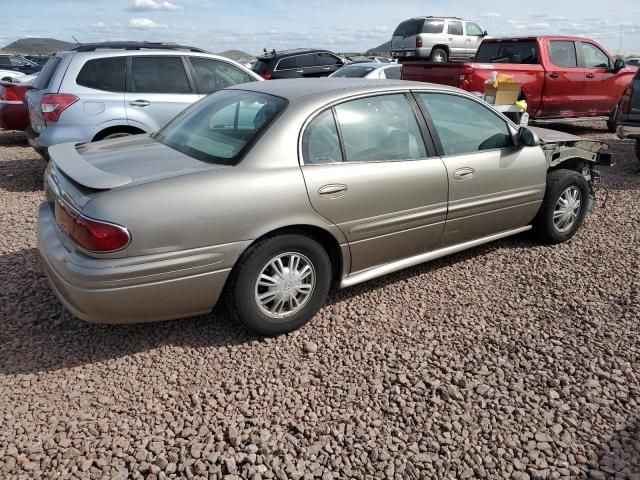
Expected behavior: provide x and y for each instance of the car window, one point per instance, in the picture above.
(393, 73)
(562, 53)
(261, 65)
(213, 75)
(46, 74)
(324, 59)
(221, 127)
(474, 30)
(353, 71)
(508, 52)
(435, 25)
(305, 60)
(464, 125)
(380, 128)
(104, 74)
(320, 142)
(454, 28)
(287, 63)
(159, 74)
(593, 57)
(412, 26)
(5, 62)
(20, 62)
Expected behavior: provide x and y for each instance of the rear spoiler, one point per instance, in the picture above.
(72, 164)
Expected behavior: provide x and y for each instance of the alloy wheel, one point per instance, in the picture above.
(567, 209)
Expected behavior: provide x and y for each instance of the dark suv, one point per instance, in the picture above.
(18, 63)
(297, 63)
(628, 114)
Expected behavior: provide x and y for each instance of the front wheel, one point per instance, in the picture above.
(564, 207)
(280, 283)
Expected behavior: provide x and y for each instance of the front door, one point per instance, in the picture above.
(159, 89)
(599, 82)
(473, 38)
(494, 186)
(375, 179)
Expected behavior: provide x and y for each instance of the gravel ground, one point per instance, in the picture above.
(513, 360)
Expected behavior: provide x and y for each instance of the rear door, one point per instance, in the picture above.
(563, 94)
(456, 39)
(599, 79)
(376, 179)
(159, 88)
(473, 38)
(494, 186)
(306, 66)
(327, 63)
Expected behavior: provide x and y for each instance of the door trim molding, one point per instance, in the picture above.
(387, 268)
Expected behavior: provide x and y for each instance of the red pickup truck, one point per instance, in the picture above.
(561, 77)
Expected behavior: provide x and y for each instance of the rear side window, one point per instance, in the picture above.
(409, 27)
(433, 26)
(287, 63)
(455, 28)
(46, 74)
(213, 75)
(305, 60)
(508, 52)
(159, 74)
(320, 143)
(104, 74)
(562, 53)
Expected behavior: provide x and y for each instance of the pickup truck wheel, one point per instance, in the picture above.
(564, 207)
(280, 283)
(439, 55)
(611, 123)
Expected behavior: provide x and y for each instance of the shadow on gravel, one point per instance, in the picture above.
(619, 456)
(13, 139)
(22, 175)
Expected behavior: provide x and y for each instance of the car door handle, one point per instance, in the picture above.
(299, 71)
(464, 173)
(591, 75)
(327, 68)
(554, 75)
(140, 103)
(333, 190)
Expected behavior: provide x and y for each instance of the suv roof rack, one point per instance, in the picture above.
(92, 47)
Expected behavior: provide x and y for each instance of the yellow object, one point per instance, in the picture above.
(522, 104)
(498, 79)
(507, 93)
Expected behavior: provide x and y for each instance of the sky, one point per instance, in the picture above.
(338, 25)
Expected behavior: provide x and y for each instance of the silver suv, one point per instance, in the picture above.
(438, 39)
(101, 91)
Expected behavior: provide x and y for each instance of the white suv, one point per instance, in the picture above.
(108, 90)
(438, 39)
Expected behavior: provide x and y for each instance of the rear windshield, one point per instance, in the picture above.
(222, 127)
(409, 27)
(45, 75)
(353, 71)
(508, 52)
(261, 65)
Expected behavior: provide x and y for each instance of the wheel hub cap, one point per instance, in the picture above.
(285, 284)
(567, 209)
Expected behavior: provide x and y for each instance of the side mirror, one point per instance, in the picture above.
(527, 137)
(485, 33)
(619, 64)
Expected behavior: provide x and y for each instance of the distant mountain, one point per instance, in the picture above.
(34, 46)
(384, 49)
(237, 55)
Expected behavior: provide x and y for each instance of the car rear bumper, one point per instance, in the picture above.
(628, 130)
(135, 289)
(53, 135)
(411, 52)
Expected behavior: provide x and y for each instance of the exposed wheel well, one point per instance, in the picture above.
(443, 47)
(117, 129)
(575, 164)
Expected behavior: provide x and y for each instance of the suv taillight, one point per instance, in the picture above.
(266, 76)
(53, 104)
(418, 41)
(92, 235)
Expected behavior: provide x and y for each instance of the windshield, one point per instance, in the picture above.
(353, 71)
(222, 127)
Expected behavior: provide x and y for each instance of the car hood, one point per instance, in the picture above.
(124, 161)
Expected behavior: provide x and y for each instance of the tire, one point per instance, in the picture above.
(439, 55)
(611, 123)
(261, 259)
(565, 185)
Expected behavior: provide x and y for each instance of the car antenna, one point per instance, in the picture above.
(76, 40)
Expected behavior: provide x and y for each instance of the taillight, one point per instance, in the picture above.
(266, 76)
(418, 41)
(11, 94)
(92, 235)
(53, 104)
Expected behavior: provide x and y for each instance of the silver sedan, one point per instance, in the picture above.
(272, 192)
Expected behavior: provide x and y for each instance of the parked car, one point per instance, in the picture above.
(628, 114)
(108, 90)
(438, 39)
(297, 63)
(370, 60)
(14, 114)
(18, 63)
(369, 70)
(562, 77)
(8, 75)
(273, 191)
(39, 59)
(634, 62)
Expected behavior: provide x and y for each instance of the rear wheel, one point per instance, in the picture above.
(564, 207)
(280, 283)
(439, 54)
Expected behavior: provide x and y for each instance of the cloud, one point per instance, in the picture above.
(381, 28)
(145, 24)
(491, 15)
(151, 5)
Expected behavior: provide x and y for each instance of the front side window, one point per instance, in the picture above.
(213, 75)
(223, 126)
(473, 30)
(464, 125)
(320, 142)
(594, 57)
(454, 28)
(159, 74)
(381, 128)
(563, 53)
(326, 59)
(106, 74)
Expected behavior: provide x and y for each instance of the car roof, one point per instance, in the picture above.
(338, 87)
(290, 51)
